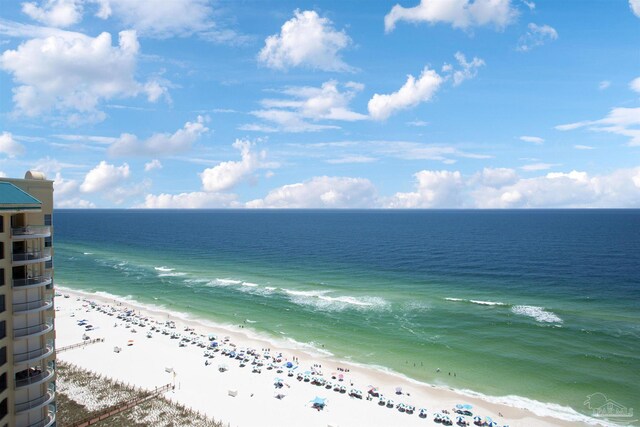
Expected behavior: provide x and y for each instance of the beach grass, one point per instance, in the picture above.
(81, 394)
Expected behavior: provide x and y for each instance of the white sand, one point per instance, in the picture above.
(205, 389)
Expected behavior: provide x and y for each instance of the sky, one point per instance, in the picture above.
(324, 104)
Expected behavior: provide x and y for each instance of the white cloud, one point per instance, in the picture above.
(306, 40)
(418, 123)
(228, 174)
(409, 95)
(468, 69)
(56, 13)
(531, 5)
(72, 73)
(9, 146)
(194, 200)
(635, 7)
(495, 177)
(583, 147)
(534, 139)
(75, 203)
(321, 192)
(458, 13)
(620, 121)
(306, 106)
(160, 19)
(160, 144)
(538, 166)
(635, 84)
(104, 176)
(536, 36)
(604, 84)
(434, 189)
(153, 164)
(351, 159)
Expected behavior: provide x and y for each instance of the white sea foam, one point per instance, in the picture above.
(537, 313)
(486, 302)
(250, 321)
(319, 299)
(227, 282)
(164, 268)
(172, 274)
(305, 293)
(87, 253)
(454, 299)
(249, 284)
(270, 288)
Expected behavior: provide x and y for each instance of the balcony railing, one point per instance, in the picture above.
(32, 306)
(35, 403)
(36, 255)
(43, 376)
(45, 422)
(33, 330)
(30, 356)
(33, 281)
(31, 231)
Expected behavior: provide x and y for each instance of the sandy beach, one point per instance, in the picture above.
(239, 396)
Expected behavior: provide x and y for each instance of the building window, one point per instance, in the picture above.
(1, 224)
(3, 382)
(3, 329)
(3, 408)
(1, 276)
(48, 242)
(50, 285)
(48, 264)
(3, 356)
(47, 219)
(2, 306)
(1, 250)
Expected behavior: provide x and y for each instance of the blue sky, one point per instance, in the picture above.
(325, 104)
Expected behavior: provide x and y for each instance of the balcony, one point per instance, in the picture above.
(32, 307)
(35, 403)
(33, 331)
(31, 257)
(33, 356)
(50, 420)
(31, 232)
(39, 378)
(33, 282)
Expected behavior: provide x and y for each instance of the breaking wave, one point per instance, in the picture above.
(537, 313)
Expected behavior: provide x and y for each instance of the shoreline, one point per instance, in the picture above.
(418, 393)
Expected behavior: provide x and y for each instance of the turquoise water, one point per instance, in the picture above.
(542, 305)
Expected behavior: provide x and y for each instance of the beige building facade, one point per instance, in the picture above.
(27, 334)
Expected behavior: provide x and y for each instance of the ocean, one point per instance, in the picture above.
(540, 308)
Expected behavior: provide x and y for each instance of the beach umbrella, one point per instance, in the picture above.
(398, 390)
(467, 406)
(318, 401)
(289, 365)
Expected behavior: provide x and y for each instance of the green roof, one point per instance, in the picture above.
(12, 197)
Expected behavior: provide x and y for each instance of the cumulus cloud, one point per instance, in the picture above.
(321, 192)
(434, 189)
(458, 13)
(104, 176)
(503, 188)
(620, 121)
(306, 106)
(72, 73)
(194, 200)
(56, 13)
(306, 40)
(160, 144)
(153, 164)
(635, 7)
(635, 84)
(536, 36)
(9, 146)
(227, 175)
(467, 70)
(159, 19)
(412, 93)
(533, 139)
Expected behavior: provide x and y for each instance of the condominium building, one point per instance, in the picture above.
(27, 348)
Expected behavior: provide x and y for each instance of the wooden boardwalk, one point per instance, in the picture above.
(121, 407)
(80, 344)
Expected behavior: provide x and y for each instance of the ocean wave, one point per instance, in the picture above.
(87, 253)
(250, 321)
(226, 282)
(321, 301)
(249, 284)
(537, 313)
(473, 301)
(172, 274)
(164, 269)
